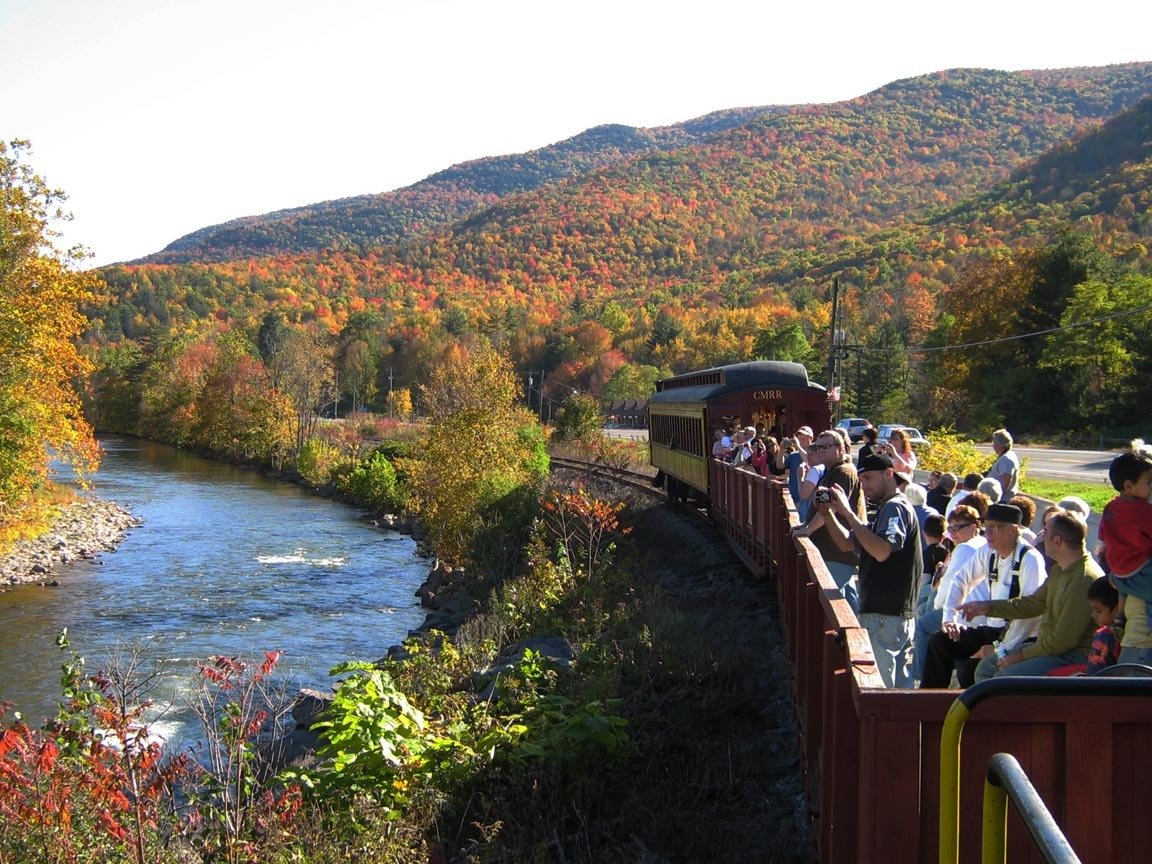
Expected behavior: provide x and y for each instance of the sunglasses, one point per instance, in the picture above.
(825, 446)
(960, 526)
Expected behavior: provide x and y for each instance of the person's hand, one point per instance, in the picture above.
(1009, 660)
(952, 630)
(839, 501)
(974, 609)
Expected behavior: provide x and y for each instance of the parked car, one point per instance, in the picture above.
(914, 436)
(855, 427)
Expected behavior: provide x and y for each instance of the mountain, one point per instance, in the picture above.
(391, 217)
(761, 203)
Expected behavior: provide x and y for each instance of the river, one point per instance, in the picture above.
(226, 562)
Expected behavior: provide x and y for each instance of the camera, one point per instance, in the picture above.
(822, 496)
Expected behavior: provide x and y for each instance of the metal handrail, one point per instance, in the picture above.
(1007, 780)
(957, 716)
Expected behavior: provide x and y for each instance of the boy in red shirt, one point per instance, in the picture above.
(1126, 524)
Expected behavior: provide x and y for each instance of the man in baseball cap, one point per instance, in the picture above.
(891, 564)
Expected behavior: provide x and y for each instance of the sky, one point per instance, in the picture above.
(159, 117)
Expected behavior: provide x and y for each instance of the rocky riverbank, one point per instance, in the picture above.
(81, 532)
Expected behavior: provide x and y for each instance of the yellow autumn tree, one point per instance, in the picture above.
(477, 467)
(400, 401)
(41, 294)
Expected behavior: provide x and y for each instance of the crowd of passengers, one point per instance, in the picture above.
(955, 579)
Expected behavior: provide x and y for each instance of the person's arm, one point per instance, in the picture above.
(1071, 616)
(877, 546)
(1022, 607)
(902, 464)
(837, 530)
(957, 584)
(807, 487)
(812, 526)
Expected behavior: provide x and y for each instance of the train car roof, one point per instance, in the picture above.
(710, 383)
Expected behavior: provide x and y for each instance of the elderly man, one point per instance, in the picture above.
(1066, 627)
(1006, 468)
(829, 451)
(891, 563)
(1004, 567)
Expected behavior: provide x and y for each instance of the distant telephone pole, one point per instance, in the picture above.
(832, 332)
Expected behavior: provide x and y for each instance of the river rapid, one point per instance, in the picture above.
(226, 562)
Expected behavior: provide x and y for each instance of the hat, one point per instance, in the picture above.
(1009, 514)
(805, 430)
(875, 462)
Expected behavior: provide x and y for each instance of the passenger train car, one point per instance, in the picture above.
(686, 409)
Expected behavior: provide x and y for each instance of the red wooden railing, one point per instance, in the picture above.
(871, 756)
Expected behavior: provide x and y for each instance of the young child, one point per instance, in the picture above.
(1105, 601)
(1126, 524)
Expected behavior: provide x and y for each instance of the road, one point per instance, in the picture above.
(1082, 466)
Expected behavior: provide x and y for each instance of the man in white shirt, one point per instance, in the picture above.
(1003, 567)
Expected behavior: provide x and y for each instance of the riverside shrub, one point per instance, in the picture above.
(318, 460)
(373, 484)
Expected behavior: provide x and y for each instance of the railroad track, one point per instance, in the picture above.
(635, 479)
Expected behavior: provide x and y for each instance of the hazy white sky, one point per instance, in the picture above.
(159, 117)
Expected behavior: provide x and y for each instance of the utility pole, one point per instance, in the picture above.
(832, 332)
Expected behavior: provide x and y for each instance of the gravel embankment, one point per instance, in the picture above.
(82, 531)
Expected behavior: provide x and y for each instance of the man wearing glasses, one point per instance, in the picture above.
(1004, 567)
(840, 472)
(891, 564)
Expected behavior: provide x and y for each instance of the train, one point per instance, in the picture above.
(888, 776)
(684, 411)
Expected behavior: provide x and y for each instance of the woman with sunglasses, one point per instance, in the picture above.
(967, 565)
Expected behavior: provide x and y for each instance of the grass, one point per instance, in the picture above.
(1096, 494)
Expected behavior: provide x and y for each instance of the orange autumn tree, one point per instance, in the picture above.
(40, 297)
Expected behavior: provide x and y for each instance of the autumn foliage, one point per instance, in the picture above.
(41, 295)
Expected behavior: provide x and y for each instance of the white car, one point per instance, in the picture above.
(914, 436)
(855, 427)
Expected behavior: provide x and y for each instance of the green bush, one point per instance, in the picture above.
(374, 485)
(318, 461)
(579, 418)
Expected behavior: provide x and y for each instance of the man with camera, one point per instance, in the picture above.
(891, 563)
(839, 471)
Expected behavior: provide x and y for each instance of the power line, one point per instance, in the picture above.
(920, 349)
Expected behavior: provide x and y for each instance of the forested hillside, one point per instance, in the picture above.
(723, 249)
(368, 221)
